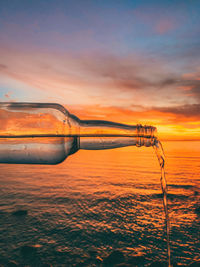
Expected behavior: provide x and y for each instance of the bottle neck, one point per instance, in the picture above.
(99, 131)
(146, 135)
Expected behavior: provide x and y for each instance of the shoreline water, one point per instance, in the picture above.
(104, 201)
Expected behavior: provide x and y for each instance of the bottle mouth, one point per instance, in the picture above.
(146, 135)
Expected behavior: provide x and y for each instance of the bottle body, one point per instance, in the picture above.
(40, 133)
(35, 133)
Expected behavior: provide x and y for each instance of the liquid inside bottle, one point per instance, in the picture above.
(161, 159)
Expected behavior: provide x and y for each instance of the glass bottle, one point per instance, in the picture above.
(43, 133)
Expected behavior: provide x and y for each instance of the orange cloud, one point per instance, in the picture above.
(117, 88)
(104, 79)
(164, 26)
(160, 23)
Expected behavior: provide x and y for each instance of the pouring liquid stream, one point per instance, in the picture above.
(161, 159)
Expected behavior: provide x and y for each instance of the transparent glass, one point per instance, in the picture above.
(43, 133)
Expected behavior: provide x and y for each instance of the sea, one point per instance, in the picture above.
(102, 208)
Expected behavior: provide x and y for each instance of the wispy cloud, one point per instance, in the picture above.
(102, 78)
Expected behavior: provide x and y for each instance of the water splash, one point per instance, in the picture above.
(161, 158)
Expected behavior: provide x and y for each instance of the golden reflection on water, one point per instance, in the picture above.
(125, 181)
(110, 168)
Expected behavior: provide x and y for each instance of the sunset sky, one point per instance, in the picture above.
(126, 61)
